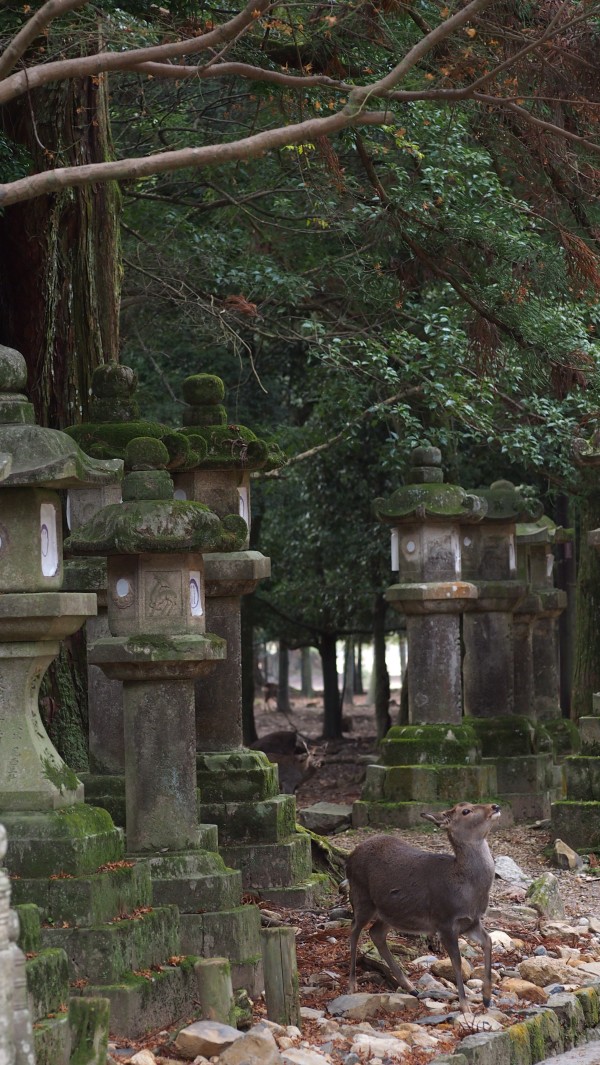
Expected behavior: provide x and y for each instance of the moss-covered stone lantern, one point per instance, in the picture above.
(158, 644)
(436, 756)
(35, 614)
(239, 787)
(427, 515)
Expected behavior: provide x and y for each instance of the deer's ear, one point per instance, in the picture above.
(437, 819)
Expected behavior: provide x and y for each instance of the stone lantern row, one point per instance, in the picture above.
(477, 597)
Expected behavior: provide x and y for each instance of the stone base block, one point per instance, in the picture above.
(577, 823)
(589, 730)
(236, 776)
(89, 900)
(157, 999)
(52, 1041)
(108, 792)
(104, 953)
(511, 735)
(391, 814)
(564, 735)
(413, 745)
(583, 778)
(309, 894)
(240, 822)
(267, 865)
(234, 934)
(429, 784)
(596, 703)
(526, 806)
(75, 840)
(530, 774)
(194, 881)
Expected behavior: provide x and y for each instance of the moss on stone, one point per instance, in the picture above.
(520, 1047)
(203, 388)
(590, 1003)
(88, 1021)
(202, 416)
(61, 776)
(30, 938)
(146, 453)
(47, 977)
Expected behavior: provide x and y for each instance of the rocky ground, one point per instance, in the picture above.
(535, 954)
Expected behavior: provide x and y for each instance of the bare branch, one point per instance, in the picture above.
(101, 62)
(36, 25)
(558, 131)
(258, 144)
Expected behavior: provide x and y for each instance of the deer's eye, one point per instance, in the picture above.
(465, 812)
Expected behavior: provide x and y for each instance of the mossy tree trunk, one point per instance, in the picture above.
(586, 666)
(59, 305)
(359, 688)
(59, 255)
(380, 670)
(332, 706)
(306, 672)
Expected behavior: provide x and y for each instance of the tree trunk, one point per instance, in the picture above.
(348, 691)
(59, 257)
(332, 716)
(586, 668)
(306, 672)
(283, 688)
(382, 677)
(248, 667)
(358, 677)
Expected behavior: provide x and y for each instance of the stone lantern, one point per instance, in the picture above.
(35, 614)
(158, 647)
(427, 515)
(239, 787)
(436, 756)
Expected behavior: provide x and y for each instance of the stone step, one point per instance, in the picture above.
(271, 865)
(589, 729)
(104, 953)
(306, 895)
(197, 880)
(529, 773)
(527, 806)
(75, 840)
(268, 821)
(158, 998)
(88, 900)
(234, 934)
(583, 778)
(47, 983)
(52, 1040)
(236, 776)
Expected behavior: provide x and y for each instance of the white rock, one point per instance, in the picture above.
(507, 869)
(310, 1014)
(501, 939)
(285, 1043)
(272, 1026)
(206, 1038)
(591, 967)
(293, 1031)
(256, 1047)
(143, 1057)
(379, 1046)
(300, 1056)
(482, 1022)
(594, 923)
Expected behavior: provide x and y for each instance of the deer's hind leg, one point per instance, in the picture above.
(481, 936)
(361, 915)
(378, 933)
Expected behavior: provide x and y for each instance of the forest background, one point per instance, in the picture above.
(377, 220)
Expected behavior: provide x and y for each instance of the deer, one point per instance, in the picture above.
(399, 886)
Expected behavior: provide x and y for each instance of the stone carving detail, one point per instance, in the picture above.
(163, 595)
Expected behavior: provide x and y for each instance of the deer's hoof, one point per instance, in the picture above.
(487, 1000)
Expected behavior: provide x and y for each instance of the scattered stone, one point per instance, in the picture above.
(340, 913)
(351, 1059)
(481, 1022)
(543, 971)
(206, 1038)
(302, 1056)
(309, 1014)
(270, 919)
(594, 923)
(590, 967)
(539, 952)
(378, 1046)
(429, 982)
(438, 1018)
(525, 990)
(442, 967)
(143, 1057)
(293, 1031)
(256, 1047)
(363, 1005)
(565, 857)
(326, 818)
(285, 1042)
(508, 870)
(501, 939)
(271, 1026)
(544, 896)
